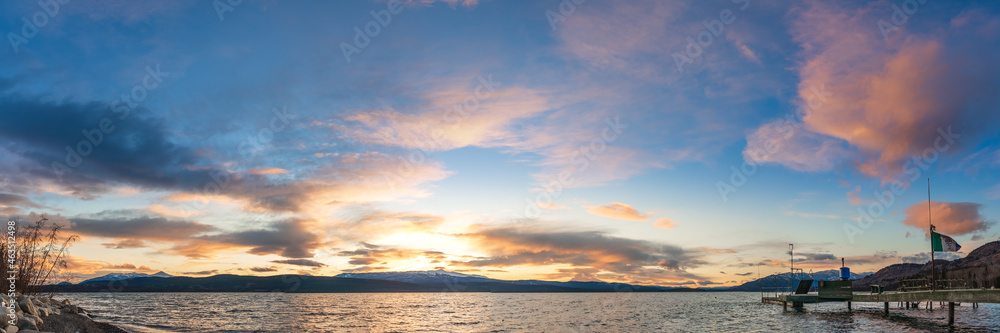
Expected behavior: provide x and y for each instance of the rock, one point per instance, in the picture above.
(38, 320)
(11, 329)
(26, 324)
(28, 307)
(66, 302)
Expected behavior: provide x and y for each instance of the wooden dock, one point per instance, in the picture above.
(909, 297)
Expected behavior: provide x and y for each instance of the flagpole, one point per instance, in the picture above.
(930, 226)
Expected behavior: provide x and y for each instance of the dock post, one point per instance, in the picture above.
(886, 308)
(951, 313)
(784, 306)
(848, 306)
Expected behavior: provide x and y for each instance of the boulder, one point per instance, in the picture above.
(26, 324)
(11, 329)
(28, 307)
(38, 320)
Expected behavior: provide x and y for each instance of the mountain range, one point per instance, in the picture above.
(978, 269)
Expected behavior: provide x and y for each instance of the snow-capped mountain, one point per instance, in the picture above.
(126, 276)
(418, 276)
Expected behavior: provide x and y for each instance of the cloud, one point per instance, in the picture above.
(132, 225)
(816, 256)
(289, 238)
(549, 205)
(783, 143)
(744, 274)
(664, 223)
(370, 256)
(890, 100)
(172, 211)
(139, 151)
(125, 244)
(950, 218)
(446, 123)
(633, 260)
(362, 226)
(263, 269)
(618, 211)
(268, 171)
(300, 262)
(349, 179)
(80, 265)
(854, 197)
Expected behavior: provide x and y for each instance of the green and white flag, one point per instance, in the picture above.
(942, 243)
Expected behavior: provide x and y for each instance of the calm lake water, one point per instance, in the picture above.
(516, 312)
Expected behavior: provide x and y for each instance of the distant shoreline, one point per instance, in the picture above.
(327, 284)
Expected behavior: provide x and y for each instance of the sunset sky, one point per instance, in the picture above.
(678, 143)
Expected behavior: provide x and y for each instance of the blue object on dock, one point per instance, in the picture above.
(845, 273)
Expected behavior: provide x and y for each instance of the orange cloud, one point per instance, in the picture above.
(626, 259)
(619, 211)
(172, 211)
(889, 100)
(950, 218)
(549, 205)
(664, 223)
(268, 171)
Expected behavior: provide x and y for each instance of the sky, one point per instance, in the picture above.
(676, 143)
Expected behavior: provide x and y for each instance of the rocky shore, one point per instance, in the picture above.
(29, 314)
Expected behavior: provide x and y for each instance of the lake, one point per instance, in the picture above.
(503, 312)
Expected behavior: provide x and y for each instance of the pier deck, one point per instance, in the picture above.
(909, 297)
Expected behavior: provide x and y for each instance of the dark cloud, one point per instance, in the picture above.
(816, 256)
(300, 262)
(138, 151)
(263, 269)
(129, 225)
(363, 261)
(8, 199)
(211, 272)
(744, 274)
